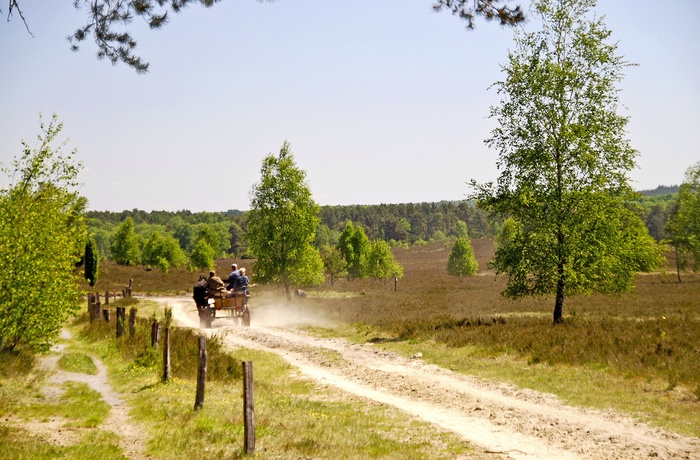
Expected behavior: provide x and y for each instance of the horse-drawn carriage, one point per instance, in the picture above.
(234, 306)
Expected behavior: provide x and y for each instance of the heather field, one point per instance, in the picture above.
(652, 333)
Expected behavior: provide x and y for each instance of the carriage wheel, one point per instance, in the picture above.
(245, 319)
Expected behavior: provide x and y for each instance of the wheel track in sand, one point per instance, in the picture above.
(500, 418)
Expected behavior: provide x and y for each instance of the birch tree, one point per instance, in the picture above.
(42, 237)
(563, 162)
(282, 224)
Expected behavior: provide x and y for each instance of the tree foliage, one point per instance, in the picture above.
(202, 256)
(683, 226)
(381, 263)
(162, 250)
(282, 224)
(491, 10)
(42, 236)
(563, 162)
(91, 261)
(124, 247)
(333, 262)
(461, 261)
(216, 235)
(353, 244)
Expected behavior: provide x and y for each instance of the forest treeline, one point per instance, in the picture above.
(398, 224)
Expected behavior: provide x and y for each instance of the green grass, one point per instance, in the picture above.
(22, 444)
(637, 353)
(295, 418)
(589, 373)
(590, 385)
(77, 362)
(79, 404)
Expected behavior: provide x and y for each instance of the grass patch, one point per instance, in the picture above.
(645, 343)
(80, 404)
(19, 443)
(295, 418)
(77, 362)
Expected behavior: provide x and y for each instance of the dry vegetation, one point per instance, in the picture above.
(651, 333)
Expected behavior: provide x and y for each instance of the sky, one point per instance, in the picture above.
(382, 101)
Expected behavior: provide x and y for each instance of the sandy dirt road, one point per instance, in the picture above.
(497, 418)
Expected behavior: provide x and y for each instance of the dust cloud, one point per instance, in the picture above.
(285, 314)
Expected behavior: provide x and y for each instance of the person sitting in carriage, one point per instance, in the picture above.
(215, 286)
(242, 283)
(232, 277)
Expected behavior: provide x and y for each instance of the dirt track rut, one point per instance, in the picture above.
(498, 418)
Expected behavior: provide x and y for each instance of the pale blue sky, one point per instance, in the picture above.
(383, 101)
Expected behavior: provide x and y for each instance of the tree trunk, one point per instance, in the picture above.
(288, 292)
(559, 302)
(678, 265)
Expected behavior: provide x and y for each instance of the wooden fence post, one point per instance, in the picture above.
(132, 322)
(248, 409)
(106, 297)
(97, 310)
(91, 306)
(105, 315)
(166, 355)
(201, 373)
(155, 334)
(121, 316)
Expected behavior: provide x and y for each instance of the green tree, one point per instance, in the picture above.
(162, 250)
(656, 221)
(353, 244)
(124, 247)
(683, 226)
(184, 232)
(381, 263)
(217, 235)
(102, 238)
(333, 262)
(461, 261)
(402, 229)
(282, 224)
(91, 261)
(325, 236)
(459, 229)
(237, 239)
(563, 162)
(41, 238)
(202, 256)
(108, 21)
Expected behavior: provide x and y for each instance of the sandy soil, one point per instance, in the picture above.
(132, 436)
(497, 418)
